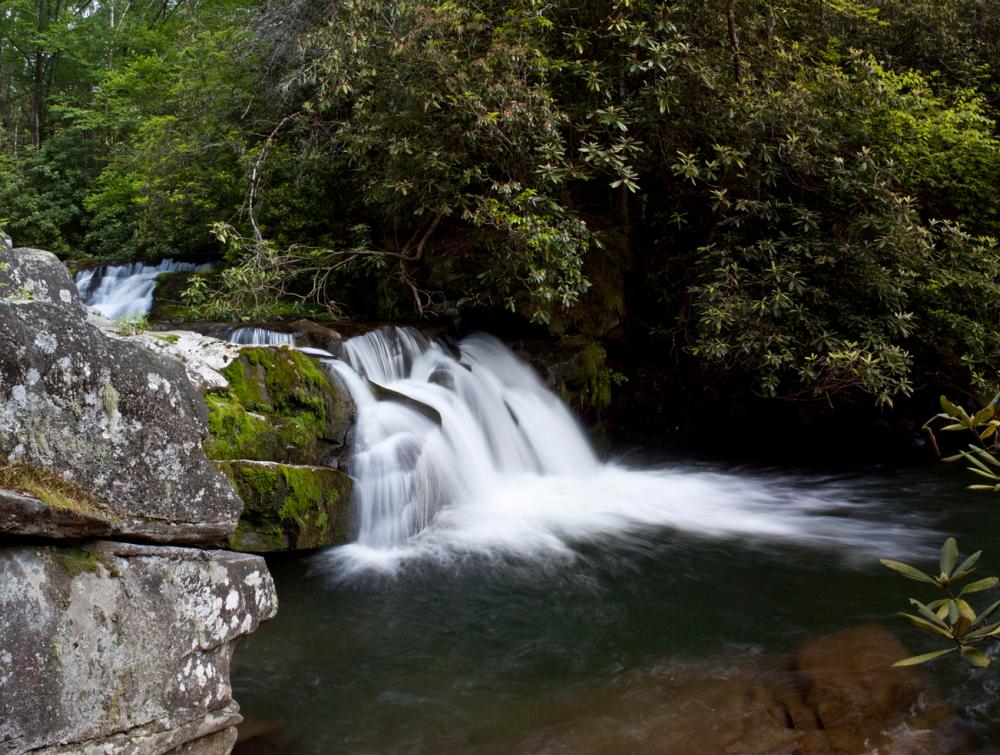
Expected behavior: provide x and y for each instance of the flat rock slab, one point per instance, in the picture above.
(112, 418)
(115, 647)
(28, 516)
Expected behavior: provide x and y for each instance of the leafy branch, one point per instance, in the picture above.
(951, 618)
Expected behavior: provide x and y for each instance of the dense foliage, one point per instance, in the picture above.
(795, 199)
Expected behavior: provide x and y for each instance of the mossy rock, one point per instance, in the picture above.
(280, 405)
(289, 507)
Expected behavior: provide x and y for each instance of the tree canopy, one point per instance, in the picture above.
(797, 198)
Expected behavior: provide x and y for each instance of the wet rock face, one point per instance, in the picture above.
(115, 647)
(289, 507)
(116, 420)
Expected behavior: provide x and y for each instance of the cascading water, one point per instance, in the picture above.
(126, 290)
(447, 430)
(260, 337)
(468, 452)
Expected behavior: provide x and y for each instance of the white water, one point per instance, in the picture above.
(261, 337)
(126, 290)
(470, 454)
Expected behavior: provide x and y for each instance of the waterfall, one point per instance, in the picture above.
(437, 428)
(465, 451)
(126, 290)
(260, 337)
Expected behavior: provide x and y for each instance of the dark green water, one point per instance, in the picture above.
(488, 653)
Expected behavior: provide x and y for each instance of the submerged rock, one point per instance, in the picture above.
(108, 416)
(289, 507)
(114, 647)
(838, 696)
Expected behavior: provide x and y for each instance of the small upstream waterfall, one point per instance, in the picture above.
(126, 290)
(260, 337)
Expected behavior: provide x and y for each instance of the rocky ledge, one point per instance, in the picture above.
(109, 646)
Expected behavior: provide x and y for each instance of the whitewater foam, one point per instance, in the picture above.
(466, 453)
(118, 291)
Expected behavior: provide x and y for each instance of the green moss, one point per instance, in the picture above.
(307, 499)
(77, 561)
(248, 538)
(235, 433)
(289, 507)
(303, 413)
(263, 480)
(167, 337)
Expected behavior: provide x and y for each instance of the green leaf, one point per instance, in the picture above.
(966, 567)
(935, 628)
(986, 614)
(907, 571)
(949, 555)
(966, 618)
(953, 614)
(987, 583)
(976, 657)
(955, 411)
(987, 631)
(927, 613)
(916, 660)
(984, 415)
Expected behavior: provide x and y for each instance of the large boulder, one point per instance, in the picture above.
(279, 405)
(108, 416)
(115, 647)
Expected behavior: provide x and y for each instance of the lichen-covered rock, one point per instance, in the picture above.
(280, 405)
(115, 647)
(204, 357)
(111, 417)
(289, 507)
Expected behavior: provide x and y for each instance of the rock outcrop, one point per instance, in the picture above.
(279, 405)
(108, 416)
(279, 427)
(106, 646)
(114, 647)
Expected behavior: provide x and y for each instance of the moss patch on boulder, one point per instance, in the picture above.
(289, 507)
(280, 405)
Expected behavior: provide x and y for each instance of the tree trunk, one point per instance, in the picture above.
(734, 43)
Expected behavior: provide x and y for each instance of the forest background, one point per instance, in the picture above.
(726, 210)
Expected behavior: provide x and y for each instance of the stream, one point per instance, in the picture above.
(495, 652)
(509, 591)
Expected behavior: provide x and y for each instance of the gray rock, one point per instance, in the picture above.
(26, 515)
(114, 419)
(122, 648)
